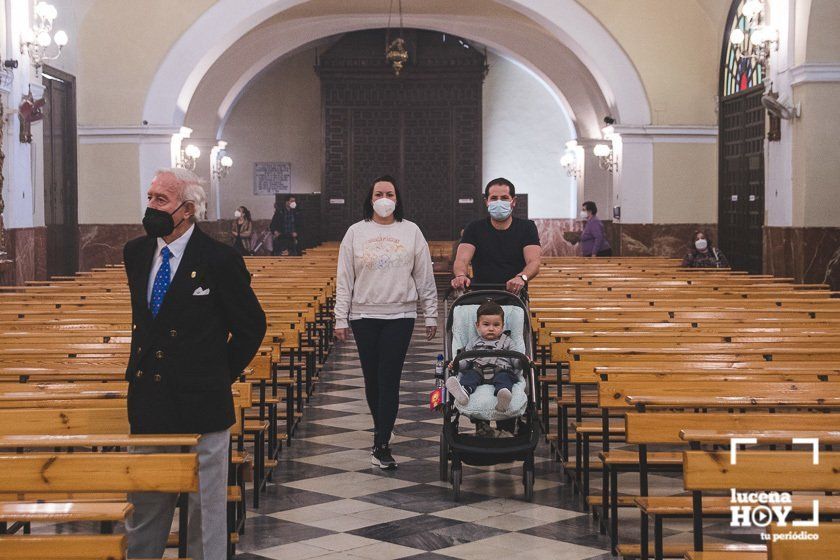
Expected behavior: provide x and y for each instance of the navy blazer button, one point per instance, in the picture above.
(139, 374)
(139, 349)
(159, 354)
(157, 378)
(173, 333)
(134, 327)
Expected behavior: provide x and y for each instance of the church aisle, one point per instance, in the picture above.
(328, 502)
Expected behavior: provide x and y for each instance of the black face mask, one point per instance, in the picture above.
(158, 223)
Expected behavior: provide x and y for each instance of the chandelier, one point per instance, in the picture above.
(604, 151)
(572, 159)
(36, 40)
(395, 52)
(762, 37)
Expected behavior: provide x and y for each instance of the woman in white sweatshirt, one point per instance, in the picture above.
(384, 268)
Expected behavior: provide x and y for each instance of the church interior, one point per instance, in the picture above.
(695, 136)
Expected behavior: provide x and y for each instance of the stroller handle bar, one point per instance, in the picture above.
(474, 287)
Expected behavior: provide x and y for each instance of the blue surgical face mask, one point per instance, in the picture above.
(499, 210)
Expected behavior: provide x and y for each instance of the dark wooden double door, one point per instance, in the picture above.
(423, 128)
(741, 182)
(435, 168)
(61, 210)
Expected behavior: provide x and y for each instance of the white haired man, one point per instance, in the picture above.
(196, 326)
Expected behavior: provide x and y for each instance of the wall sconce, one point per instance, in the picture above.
(572, 159)
(220, 161)
(605, 151)
(762, 37)
(36, 40)
(606, 157)
(188, 157)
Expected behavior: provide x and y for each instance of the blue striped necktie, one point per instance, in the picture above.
(162, 280)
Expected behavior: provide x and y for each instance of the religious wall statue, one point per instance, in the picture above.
(30, 110)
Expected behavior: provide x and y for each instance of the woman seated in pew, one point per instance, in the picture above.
(242, 230)
(704, 255)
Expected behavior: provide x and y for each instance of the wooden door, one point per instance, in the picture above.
(60, 177)
(741, 182)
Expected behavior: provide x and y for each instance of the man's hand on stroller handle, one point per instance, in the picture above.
(460, 282)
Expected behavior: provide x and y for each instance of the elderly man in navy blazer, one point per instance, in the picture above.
(196, 325)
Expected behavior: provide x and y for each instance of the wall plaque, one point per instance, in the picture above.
(272, 177)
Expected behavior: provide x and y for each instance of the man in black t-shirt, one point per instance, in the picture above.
(503, 250)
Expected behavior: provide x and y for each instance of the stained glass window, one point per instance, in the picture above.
(742, 68)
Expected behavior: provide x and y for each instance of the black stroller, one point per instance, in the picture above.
(458, 449)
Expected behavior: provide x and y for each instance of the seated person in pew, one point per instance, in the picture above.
(196, 325)
(492, 370)
(704, 255)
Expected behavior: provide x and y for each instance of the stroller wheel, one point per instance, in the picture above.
(444, 459)
(456, 484)
(529, 485)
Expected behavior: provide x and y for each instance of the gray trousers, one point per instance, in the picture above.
(149, 525)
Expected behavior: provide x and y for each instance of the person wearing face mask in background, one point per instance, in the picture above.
(384, 270)
(703, 255)
(503, 250)
(593, 239)
(285, 225)
(196, 324)
(242, 231)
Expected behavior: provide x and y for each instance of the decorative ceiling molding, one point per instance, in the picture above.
(679, 134)
(815, 73)
(151, 134)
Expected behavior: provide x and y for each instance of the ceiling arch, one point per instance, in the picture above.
(553, 23)
(561, 72)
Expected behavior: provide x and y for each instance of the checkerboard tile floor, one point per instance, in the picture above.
(327, 502)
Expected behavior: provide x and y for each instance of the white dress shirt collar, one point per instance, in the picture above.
(178, 246)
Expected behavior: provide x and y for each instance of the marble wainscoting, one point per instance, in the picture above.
(102, 244)
(808, 254)
(551, 237)
(27, 247)
(554, 243)
(660, 240)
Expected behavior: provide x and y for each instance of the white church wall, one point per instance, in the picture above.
(524, 134)
(277, 119)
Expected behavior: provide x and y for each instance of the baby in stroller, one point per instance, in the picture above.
(492, 370)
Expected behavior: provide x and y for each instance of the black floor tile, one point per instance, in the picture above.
(422, 498)
(264, 532)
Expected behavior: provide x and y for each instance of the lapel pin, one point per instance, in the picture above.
(192, 274)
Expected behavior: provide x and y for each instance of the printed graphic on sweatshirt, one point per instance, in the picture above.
(385, 252)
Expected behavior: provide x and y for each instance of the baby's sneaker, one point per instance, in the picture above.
(455, 389)
(503, 400)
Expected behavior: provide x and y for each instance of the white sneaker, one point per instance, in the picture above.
(503, 400)
(455, 389)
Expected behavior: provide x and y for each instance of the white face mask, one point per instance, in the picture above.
(237, 214)
(293, 205)
(384, 207)
(701, 244)
(583, 215)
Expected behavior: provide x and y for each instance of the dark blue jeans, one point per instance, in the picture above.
(503, 379)
(382, 345)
